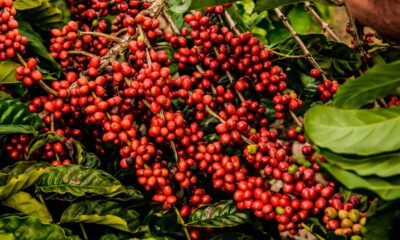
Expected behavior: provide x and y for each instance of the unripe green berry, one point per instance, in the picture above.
(252, 149)
(356, 237)
(253, 131)
(354, 215)
(280, 210)
(363, 221)
(292, 169)
(343, 214)
(346, 223)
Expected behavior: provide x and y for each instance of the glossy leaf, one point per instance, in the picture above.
(41, 140)
(16, 118)
(233, 235)
(5, 96)
(262, 5)
(385, 188)
(379, 81)
(112, 236)
(36, 47)
(383, 222)
(20, 175)
(195, 4)
(153, 237)
(362, 132)
(178, 7)
(28, 205)
(45, 16)
(218, 215)
(6, 236)
(382, 165)
(7, 72)
(30, 228)
(336, 59)
(71, 181)
(84, 158)
(106, 213)
(26, 4)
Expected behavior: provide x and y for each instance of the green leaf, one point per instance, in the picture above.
(336, 59)
(195, 4)
(28, 205)
(37, 48)
(5, 96)
(262, 5)
(6, 236)
(26, 4)
(307, 23)
(72, 181)
(176, 6)
(63, 6)
(7, 72)
(86, 159)
(362, 132)
(20, 175)
(382, 165)
(385, 188)
(377, 82)
(219, 215)
(30, 228)
(153, 237)
(16, 118)
(107, 213)
(233, 236)
(45, 16)
(41, 140)
(112, 236)
(384, 222)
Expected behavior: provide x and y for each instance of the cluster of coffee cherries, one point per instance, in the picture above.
(17, 146)
(29, 75)
(11, 42)
(327, 89)
(350, 223)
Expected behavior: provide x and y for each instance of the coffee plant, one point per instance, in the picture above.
(156, 119)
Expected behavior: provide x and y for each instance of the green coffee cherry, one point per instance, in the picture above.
(280, 210)
(252, 149)
(354, 215)
(346, 223)
(343, 214)
(292, 169)
(356, 237)
(363, 221)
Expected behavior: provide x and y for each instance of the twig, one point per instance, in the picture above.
(83, 232)
(231, 23)
(100, 34)
(298, 40)
(357, 40)
(47, 88)
(286, 55)
(326, 27)
(171, 22)
(295, 118)
(77, 52)
(182, 222)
